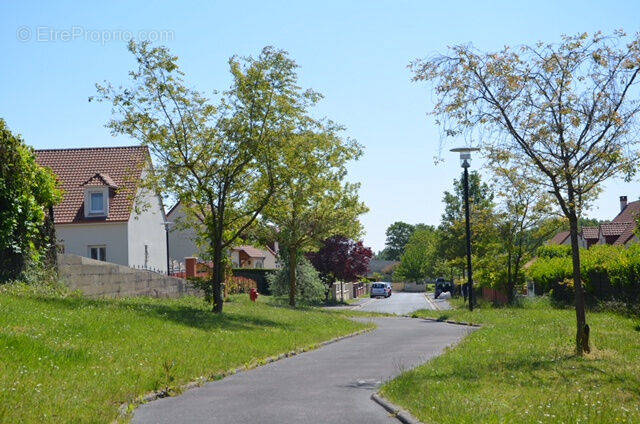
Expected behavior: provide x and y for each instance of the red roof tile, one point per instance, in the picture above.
(116, 166)
(99, 179)
(252, 252)
(630, 213)
(614, 228)
(559, 238)
(591, 233)
(626, 235)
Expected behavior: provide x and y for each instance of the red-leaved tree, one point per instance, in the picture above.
(341, 259)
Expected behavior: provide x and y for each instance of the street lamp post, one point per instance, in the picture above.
(166, 229)
(465, 159)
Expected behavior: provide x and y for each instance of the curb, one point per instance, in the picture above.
(466, 324)
(400, 414)
(128, 407)
(435, 306)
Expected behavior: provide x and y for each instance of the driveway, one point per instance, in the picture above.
(402, 303)
(332, 384)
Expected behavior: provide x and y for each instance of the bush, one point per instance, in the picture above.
(609, 274)
(27, 191)
(310, 288)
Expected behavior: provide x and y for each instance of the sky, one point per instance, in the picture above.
(353, 52)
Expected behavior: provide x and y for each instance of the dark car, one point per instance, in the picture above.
(443, 286)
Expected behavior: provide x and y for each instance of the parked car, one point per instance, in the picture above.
(380, 289)
(443, 286)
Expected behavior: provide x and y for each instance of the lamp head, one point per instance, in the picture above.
(465, 155)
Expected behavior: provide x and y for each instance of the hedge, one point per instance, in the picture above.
(259, 275)
(609, 273)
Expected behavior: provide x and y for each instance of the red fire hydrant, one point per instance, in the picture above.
(253, 294)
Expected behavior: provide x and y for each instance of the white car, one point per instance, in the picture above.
(380, 289)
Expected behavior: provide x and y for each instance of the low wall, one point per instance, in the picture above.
(415, 287)
(96, 279)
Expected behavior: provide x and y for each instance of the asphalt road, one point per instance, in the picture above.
(402, 303)
(332, 384)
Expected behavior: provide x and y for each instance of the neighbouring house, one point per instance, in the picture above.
(621, 231)
(104, 213)
(182, 244)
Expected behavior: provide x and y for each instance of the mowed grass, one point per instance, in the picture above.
(520, 367)
(71, 359)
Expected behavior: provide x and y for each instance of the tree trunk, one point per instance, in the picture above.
(582, 333)
(510, 283)
(293, 263)
(217, 280)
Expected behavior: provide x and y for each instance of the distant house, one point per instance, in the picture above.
(621, 231)
(182, 244)
(104, 214)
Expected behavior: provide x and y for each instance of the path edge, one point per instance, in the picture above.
(400, 414)
(125, 410)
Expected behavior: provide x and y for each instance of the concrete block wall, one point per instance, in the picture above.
(104, 279)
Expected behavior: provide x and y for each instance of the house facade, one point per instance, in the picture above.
(104, 214)
(182, 244)
(621, 231)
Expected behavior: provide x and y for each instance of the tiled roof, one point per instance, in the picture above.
(252, 252)
(591, 233)
(626, 235)
(116, 166)
(559, 238)
(98, 180)
(630, 213)
(614, 228)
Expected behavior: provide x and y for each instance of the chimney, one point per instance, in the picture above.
(623, 202)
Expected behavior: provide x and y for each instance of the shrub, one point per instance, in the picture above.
(26, 191)
(310, 288)
(609, 273)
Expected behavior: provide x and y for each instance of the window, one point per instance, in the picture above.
(98, 253)
(97, 203)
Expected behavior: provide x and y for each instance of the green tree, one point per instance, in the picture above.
(421, 258)
(309, 286)
(566, 112)
(523, 223)
(451, 243)
(218, 160)
(313, 202)
(27, 194)
(398, 235)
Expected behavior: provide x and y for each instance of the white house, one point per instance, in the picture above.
(182, 244)
(104, 213)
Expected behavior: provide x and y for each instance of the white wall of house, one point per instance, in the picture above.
(77, 238)
(270, 261)
(182, 240)
(147, 243)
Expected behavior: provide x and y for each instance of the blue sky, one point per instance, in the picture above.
(354, 52)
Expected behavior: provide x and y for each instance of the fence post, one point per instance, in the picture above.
(190, 267)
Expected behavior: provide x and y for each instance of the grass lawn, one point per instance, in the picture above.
(520, 368)
(71, 359)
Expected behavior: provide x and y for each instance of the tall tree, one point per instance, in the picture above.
(341, 259)
(27, 194)
(398, 235)
(218, 160)
(313, 202)
(451, 243)
(566, 112)
(421, 256)
(522, 220)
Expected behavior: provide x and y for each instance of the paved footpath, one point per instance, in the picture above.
(402, 303)
(332, 384)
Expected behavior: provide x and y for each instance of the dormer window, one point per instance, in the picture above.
(97, 203)
(97, 190)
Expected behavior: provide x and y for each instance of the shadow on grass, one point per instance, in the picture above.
(201, 318)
